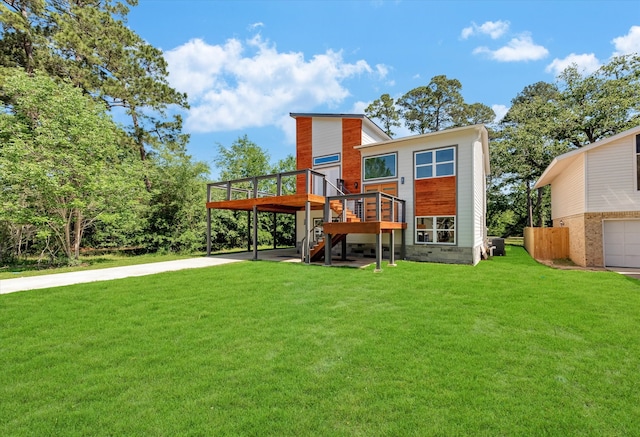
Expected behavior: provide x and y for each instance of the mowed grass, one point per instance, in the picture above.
(508, 347)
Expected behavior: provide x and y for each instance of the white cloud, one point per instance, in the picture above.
(254, 26)
(501, 111)
(230, 89)
(495, 29)
(586, 63)
(628, 44)
(521, 48)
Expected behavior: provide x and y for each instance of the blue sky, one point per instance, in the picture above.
(247, 64)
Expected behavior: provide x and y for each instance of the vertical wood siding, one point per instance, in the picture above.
(303, 150)
(351, 159)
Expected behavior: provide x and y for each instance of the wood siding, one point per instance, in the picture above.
(435, 197)
(351, 160)
(303, 150)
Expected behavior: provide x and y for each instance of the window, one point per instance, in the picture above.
(329, 159)
(435, 163)
(638, 162)
(436, 230)
(380, 167)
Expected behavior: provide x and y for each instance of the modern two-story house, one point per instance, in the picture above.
(420, 197)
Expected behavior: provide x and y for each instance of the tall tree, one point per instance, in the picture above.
(89, 43)
(384, 109)
(433, 107)
(597, 105)
(61, 168)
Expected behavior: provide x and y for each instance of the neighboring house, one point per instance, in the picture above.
(423, 195)
(595, 192)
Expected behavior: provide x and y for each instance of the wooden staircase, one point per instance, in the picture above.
(336, 206)
(317, 251)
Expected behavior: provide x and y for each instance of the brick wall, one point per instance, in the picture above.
(585, 235)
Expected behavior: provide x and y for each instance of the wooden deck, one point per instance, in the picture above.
(337, 228)
(280, 204)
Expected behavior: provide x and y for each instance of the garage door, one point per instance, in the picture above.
(622, 243)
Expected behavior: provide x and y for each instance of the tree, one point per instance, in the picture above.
(475, 113)
(600, 104)
(384, 109)
(88, 43)
(61, 168)
(433, 107)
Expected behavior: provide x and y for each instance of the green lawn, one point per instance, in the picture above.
(508, 347)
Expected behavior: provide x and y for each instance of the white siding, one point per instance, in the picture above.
(568, 190)
(479, 187)
(611, 184)
(466, 181)
(326, 136)
(370, 136)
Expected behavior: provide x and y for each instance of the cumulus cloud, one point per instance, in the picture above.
(495, 29)
(521, 48)
(629, 43)
(237, 85)
(586, 63)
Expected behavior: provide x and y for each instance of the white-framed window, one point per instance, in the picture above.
(435, 163)
(380, 167)
(436, 230)
(327, 159)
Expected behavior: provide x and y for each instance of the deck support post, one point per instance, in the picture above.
(344, 249)
(307, 228)
(255, 232)
(403, 246)
(248, 231)
(328, 240)
(275, 229)
(208, 231)
(392, 248)
(378, 252)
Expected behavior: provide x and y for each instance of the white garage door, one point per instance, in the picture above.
(622, 243)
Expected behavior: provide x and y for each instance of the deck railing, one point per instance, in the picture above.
(367, 207)
(278, 184)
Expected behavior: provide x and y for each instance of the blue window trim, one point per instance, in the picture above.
(327, 159)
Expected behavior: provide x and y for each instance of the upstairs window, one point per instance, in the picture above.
(380, 167)
(325, 160)
(435, 163)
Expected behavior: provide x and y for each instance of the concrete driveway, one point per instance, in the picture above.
(60, 279)
(630, 273)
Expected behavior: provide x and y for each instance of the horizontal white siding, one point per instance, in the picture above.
(611, 184)
(479, 187)
(370, 136)
(568, 190)
(466, 221)
(326, 136)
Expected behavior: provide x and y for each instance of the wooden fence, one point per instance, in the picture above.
(547, 243)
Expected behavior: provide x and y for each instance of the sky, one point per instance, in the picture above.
(246, 65)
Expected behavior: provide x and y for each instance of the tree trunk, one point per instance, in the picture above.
(77, 235)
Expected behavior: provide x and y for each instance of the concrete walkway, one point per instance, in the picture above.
(60, 279)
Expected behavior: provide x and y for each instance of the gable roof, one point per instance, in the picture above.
(561, 162)
(366, 120)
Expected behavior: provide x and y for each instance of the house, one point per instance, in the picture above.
(420, 197)
(595, 192)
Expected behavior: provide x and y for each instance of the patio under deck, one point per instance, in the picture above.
(343, 213)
